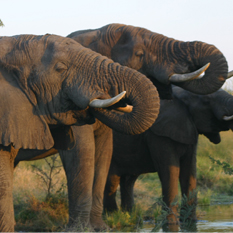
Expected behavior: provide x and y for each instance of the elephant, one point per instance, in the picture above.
(132, 47)
(50, 84)
(158, 57)
(169, 148)
(164, 61)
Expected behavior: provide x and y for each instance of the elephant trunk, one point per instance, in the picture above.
(140, 93)
(223, 105)
(214, 77)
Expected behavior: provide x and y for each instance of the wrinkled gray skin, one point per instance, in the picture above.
(168, 147)
(47, 83)
(158, 56)
(152, 54)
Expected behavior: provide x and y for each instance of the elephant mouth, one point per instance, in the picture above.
(84, 117)
(104, 103)
(197, 74)
(123, 105)
(118, 103)
(229, 121)
(228, 118)
(164, 90)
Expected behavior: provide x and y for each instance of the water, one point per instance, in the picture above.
(216, 218)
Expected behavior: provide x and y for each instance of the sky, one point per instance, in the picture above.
(210, 21)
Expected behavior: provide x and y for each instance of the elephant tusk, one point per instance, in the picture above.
(128, 108)
(227, 118)
(230, 74)
(189, 76)
(99, 103)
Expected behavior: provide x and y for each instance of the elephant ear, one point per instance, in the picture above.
(85, 37)
(175, 122)
(63, 137)
(213, 137)
(21, 124)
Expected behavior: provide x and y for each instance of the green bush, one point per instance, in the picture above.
(214, 165)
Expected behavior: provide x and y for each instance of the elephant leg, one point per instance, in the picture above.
(79, 167)
(170, 184)
(188, 180)
(165, 156)
(7, 155)
(169, 177)
(112, 183)
(126, 186)
(103, 155)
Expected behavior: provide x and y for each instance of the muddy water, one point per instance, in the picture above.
(216, 218)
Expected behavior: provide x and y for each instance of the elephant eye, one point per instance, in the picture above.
(139, 53)
(60, 67)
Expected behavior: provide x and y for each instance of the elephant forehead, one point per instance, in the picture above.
(59, 46)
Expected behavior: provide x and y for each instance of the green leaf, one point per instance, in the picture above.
(1, 23)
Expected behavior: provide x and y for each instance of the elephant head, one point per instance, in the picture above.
(189, 114)
(50, 81)
(164, 60)
(210, 113)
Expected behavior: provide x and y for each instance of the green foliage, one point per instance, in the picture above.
(185, 209)
(1, 23)
(125, 221)
(212, 176)
(161, 211)
(227, 168)
(204, 198)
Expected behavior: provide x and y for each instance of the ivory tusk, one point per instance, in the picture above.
(189, 76)
(99, 103)
(128, 108)
(230, 74)
(227, 118)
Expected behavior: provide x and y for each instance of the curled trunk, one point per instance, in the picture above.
(140, 93)
(103, 79)
(199, 54)
(165, 56)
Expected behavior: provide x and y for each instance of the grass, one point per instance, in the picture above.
(34, 210)
(125, 221)
(34, 213)
(210, 175)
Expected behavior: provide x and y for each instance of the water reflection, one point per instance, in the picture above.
(216, 218)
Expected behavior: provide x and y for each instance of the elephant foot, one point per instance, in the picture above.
(99, 225)
(79, 226)
(172, 224)
(171, 227)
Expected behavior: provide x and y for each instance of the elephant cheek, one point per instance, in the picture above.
(134, 62)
